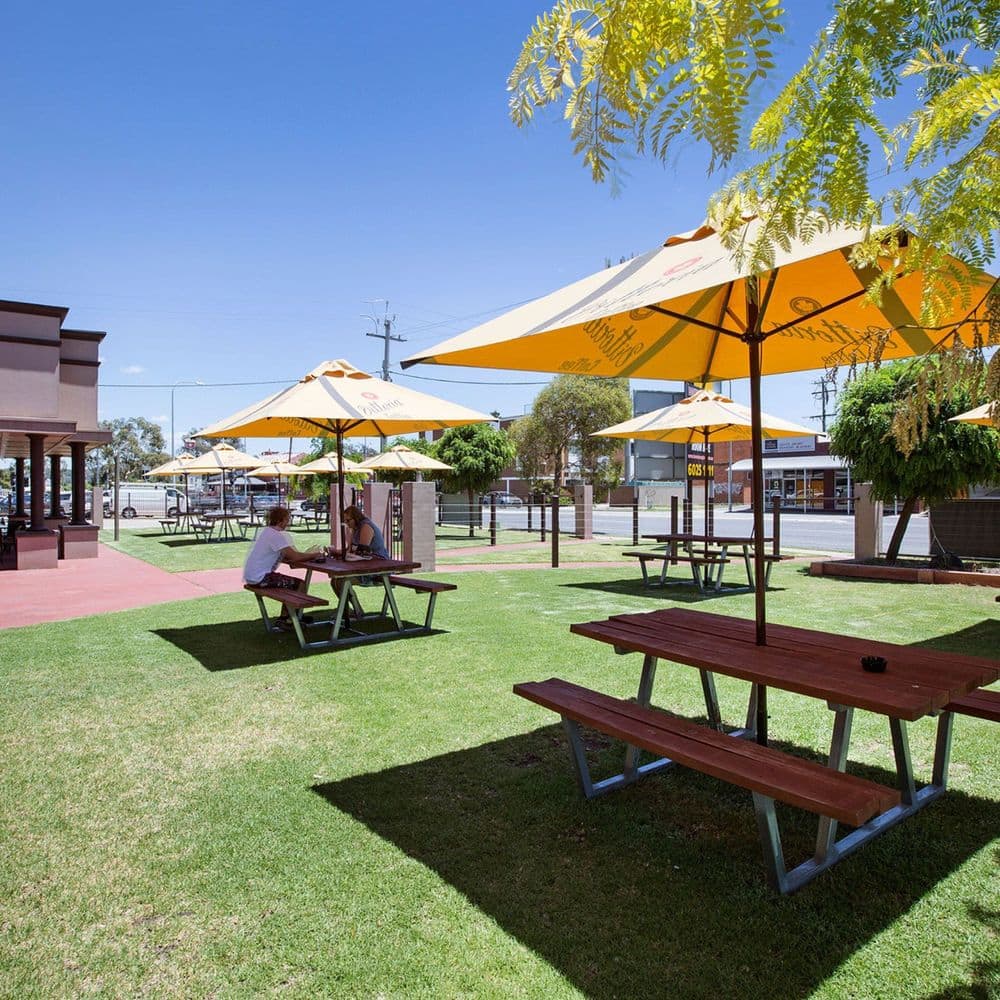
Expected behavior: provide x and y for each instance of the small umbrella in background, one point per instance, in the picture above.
(177, 467)
(275, 470)
(221, 459)
(327, 465)
(405, 459)
(704, 417)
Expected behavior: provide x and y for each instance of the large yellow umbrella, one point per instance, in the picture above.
(221, 459)
(690, 310)
(337, 400)
(275, 470)
(703, 417)
(404, 459)
(327, 464)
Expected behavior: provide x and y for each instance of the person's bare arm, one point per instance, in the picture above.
(365, 535)
(292, 555)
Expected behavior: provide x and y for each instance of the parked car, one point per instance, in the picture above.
(322, 503)
(148, 499)
(502, 499)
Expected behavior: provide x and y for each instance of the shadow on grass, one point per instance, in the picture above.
(680, 592)
(241, 644)
(981, 639)
(658, 889)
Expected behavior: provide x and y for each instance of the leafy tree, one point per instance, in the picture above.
(569, 409)
(478, 454)
(655, 74)
(948, 458)
(138, 443)
(527, 434)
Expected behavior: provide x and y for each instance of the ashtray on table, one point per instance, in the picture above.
(873, 664)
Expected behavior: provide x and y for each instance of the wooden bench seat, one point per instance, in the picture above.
(295, 600)
(704, 566)
(431, 587)
(982, 704)
(770, 774)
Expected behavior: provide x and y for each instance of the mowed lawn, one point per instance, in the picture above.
(191, 807)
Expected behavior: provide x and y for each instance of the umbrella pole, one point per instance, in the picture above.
(705, 470)
(757, 452)
(340, 491)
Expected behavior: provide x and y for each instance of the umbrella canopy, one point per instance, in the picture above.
(275, 470)
(690, 310)
(175, 467)
(703, 418)
(403, 459)
(980, 415)
(337, 400)
(221, 459)
(328, 464)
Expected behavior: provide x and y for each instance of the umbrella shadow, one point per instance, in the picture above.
(981, 639)
(639, 893)
(241, 644)
(680, 592)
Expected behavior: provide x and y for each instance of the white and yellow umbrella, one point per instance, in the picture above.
(219, 460)
(401, 458)
(980, 415)
(338, 400)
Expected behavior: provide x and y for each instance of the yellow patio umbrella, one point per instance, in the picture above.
(402, 458)
(221, 459)
(275, 470)
(690, 310)
(338, 400)
(980, 415)
(328, 464)
(177, 467)
(703, 417)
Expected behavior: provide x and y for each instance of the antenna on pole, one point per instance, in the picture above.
(387, 335)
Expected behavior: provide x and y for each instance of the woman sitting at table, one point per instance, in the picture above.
(272, 546)
(364, 534)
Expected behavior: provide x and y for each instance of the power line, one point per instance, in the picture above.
(458, 381)
(387, 335)
(207, 385)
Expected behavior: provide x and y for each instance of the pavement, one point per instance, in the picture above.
(115, 581)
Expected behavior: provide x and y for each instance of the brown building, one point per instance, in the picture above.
(48, 412)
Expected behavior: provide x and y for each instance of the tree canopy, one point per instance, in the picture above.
(948, 459)
(138, 443)
(892, 118)
(564, 415)
(478, 454)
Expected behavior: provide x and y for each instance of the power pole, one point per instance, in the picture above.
(387, 335)
(824, 394)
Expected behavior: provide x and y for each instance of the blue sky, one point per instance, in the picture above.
(225, 189)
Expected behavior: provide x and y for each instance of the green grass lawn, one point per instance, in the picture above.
(191, 807)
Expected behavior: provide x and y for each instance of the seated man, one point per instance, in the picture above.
(272, 546)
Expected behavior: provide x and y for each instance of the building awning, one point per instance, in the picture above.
(809, 463)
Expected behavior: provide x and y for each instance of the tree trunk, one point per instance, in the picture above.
(472, 529)
(901, 525)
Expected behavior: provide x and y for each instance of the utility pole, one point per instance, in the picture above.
(824, 394)
(387, 335)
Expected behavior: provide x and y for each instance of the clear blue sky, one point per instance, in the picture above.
(225, 187)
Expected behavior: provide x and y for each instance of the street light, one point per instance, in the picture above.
(183, 381)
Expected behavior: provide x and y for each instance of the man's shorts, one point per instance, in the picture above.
(280, 581)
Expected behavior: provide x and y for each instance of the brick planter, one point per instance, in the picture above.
(902, 574)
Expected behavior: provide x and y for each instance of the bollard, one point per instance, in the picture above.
(529, 514)
(776, 525)
(493, 519)
(635, 519)
(555, 530)
(541, 515)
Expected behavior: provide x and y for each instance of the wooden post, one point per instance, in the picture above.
(493, 519)
(635, 518)
(541, 514)
(555, 530)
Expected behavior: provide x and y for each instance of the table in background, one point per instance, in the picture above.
(717, 543)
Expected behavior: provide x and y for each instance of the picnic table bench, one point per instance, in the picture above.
(296, 601)
(916, 684)
(430, 587)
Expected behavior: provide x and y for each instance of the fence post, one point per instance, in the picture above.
(541, 514)
(555, 530)
(493, 519)
(687, 517)
(529, 513)
(635, 518)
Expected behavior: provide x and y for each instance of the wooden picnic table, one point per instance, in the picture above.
(720, 546)
(349, 571)
(917, 683)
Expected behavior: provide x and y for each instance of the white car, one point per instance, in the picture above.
(147, 499)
